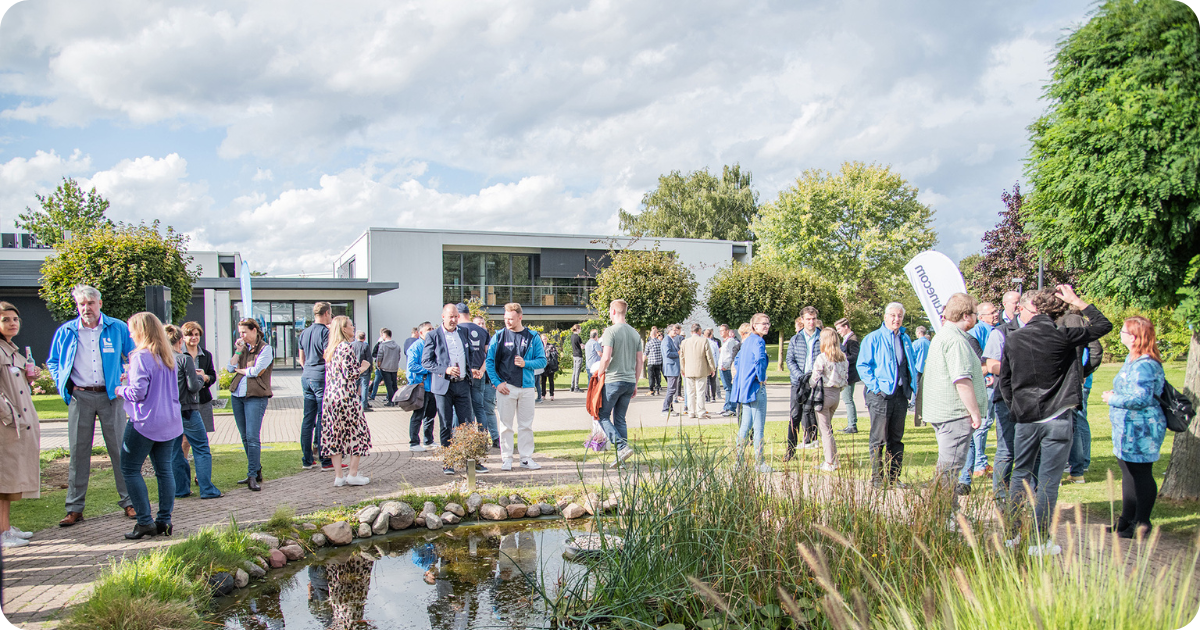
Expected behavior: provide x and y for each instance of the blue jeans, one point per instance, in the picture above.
(134, 449)
(193, 430)
(1081, 444)
(364, 384)
(616, 402)
(1005, 435)
(754, 414)
(851, 410)
(310, 427)
(1049, 442)
(727, 383)
(248, 414)
(483, 401)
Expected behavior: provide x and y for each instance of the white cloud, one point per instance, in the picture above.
(263, 175)
(21, 178)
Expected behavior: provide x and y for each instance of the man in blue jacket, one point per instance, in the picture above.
(85, 360)
(670, 366)
(887, 367)
(513, 355)
(422, 419)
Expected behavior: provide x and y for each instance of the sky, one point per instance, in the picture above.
(284, 129)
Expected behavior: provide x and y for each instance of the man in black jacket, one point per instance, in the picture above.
(1040, 380)
(850, 348)
(577, 363)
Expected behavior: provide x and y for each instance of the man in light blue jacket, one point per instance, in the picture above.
(888, 369)
(85, 360)
(670, 352)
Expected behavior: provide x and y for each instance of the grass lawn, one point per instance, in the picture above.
(229, 465)
(52, 407)
(920, 453)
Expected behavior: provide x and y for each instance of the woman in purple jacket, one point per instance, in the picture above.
(155, 423)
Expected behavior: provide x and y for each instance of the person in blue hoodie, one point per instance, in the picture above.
(422, 419)
(85, 360)
(512, 357)
(887, 366)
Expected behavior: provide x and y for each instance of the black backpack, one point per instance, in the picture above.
(1177, 408)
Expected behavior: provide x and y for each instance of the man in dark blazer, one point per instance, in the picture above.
(850, 349)
(446, 356)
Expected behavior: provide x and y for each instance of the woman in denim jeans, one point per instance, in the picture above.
(750, 385)
(152, 405)
(191, 381)
(251, 388)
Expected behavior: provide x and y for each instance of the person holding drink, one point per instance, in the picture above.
(20, 435)
(250, 389)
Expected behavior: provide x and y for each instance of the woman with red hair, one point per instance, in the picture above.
(1138, 425)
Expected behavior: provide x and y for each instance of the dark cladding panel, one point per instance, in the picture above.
(563, 263)
(597, 261)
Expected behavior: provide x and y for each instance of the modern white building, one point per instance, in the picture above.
(550, 275)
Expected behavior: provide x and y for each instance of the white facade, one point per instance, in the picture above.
(413, 258)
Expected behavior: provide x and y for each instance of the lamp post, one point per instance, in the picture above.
(1020, 282)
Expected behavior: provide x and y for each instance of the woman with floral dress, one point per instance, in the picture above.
(1138, 425)
(343, 424)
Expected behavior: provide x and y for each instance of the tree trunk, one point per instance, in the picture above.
(1183, 473)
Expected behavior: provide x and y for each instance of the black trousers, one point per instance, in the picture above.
(799, 419)
(712, 387)
(455, 402)
(1138, 493)
(887, 433)
(654, 375)
(672, 392)
(422, 421)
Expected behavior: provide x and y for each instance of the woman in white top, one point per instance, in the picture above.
(830, 366)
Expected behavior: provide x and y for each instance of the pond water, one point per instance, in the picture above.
(472, 576)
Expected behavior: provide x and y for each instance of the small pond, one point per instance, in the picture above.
(471, 576)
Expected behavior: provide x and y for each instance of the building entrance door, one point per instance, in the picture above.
(283, 343)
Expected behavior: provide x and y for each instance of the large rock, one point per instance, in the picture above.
(241, 579)
(473, 502)
(318, 540)
(270, 541)
(364, 530)
(380, 526)
(254, 570)
(533, 511)
(338, 533)
(545, 509)
(262, 562)
(430, 508)
(516, 510)
(574, 510)
(591, 503)
(277, 559)
(368, 514)
(403, 518)
(563, 502)
(293, 552)
(493, 512)
(457, 509)
(419, 520)
(391, 507)
(450, 518)
(504, 501)
(608, 504)
(433, 521)
(516, 498)
(309, 527)
(222, 583)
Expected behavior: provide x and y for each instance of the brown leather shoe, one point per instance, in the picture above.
(130, 512)
(71, 519)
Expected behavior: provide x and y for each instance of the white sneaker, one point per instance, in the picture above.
(810, 445)
(506, 464)
(827, 467)
(338, 482)
(1012, 543)
(8, 542)
(765, 469)
(13, 531)
(1046, 549)
(530, 464)
(417, 449)
(358, 480)
(622, 455)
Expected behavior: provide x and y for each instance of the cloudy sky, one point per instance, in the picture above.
(282, 129)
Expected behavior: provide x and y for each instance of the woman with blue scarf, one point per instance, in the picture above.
(750, 385)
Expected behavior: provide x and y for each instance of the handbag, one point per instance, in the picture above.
(411, 397)
(1176, 407)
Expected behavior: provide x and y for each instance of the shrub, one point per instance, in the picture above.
(44, 384)
(469, 442)
(225, 379)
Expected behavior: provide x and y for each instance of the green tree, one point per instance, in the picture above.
(120, 261)
(697, 205)
(968, 266)
(658, 288)
(1115, 165)
(1008, 254)
(856, 228)
(67, 209)
(739, 291)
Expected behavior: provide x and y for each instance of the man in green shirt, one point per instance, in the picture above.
(621, 362)
(953, 389)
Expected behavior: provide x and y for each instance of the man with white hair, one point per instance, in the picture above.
(887, 367)
(85, 361)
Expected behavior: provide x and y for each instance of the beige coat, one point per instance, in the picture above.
(696, 357)
(20, 435)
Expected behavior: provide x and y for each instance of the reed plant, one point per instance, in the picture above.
(710, 543)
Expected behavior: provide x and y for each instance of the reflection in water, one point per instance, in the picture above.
(469, 577)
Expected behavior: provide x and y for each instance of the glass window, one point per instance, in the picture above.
(522, 272)
(303, 312)
(281, 312)
(452, 294)
(451, 268)
(497, 269)
(522, 295)
(472, 274)
(498, 295)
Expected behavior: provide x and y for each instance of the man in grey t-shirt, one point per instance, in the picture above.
(621, 361)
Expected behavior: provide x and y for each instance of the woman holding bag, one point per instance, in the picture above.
(831, 371)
